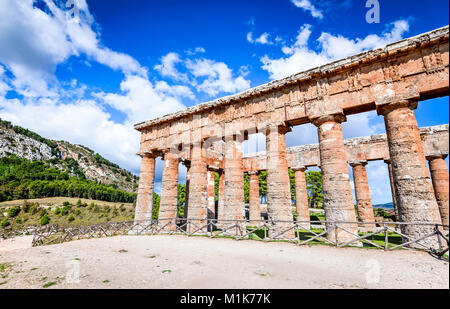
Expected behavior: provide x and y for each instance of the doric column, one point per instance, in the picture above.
(169, 191)
(301, 197)
(211, 196)
(220, 204)
(144, 202)
(439, 177)
(394, 194)
(415, 196)
(234, 202)
(187, 164)
(337, 192)
(197, 185)
(362, 193)
(278, 185)
(253, 205)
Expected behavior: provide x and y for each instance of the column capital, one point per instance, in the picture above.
(186, 163)
(148, 154)
(252, 172)
(357, 162)
(283, 128)
(387, 161)
(299, 168)
(339, 118)
(387, 107)
(436, 156)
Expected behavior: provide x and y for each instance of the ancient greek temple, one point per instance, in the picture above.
(208, 138)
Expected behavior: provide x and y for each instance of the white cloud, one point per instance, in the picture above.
(140, 100)
(167, 67)
(262, 39)
(219, 77)
(309, 7)
(299, 57)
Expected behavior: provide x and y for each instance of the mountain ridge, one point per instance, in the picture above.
(77, 159)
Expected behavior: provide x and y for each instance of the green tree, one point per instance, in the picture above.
(314, 188)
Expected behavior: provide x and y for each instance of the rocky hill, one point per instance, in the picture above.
(76, 159)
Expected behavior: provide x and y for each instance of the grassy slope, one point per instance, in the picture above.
(92, 212)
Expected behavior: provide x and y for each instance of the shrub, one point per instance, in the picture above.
(71, 218)
(26, 207)
(77, 212)
(18, 220)
(57, 211)
(13, 212)
(66, 204)
(5, 223)
(43, 212)
(45, 220)
(78, 203)
(65, 210)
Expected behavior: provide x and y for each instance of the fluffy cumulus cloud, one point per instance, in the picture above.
(218, 77)
(36, 37)
(299, 56)
(307, 6)
(205, 75)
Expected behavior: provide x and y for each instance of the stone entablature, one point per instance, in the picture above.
(412, 68)
(435, 140)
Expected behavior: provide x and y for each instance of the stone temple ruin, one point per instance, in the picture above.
(392, 80)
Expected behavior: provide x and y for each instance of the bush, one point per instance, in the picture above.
(26, 207)
(18, 221)
(65, 210)
(45, 220)
(66, 204)
(43, 212)
(57, 211)
(4, 223)
(78, 203)
(71, 218)
(77, 212)
(13, 212)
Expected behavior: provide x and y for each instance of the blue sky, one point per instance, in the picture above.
(87, 73)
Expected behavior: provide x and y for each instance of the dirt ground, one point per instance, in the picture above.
(199, 262)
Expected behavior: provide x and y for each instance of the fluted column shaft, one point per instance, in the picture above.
(278, 184)
(301, 197)
(362, 193)
(144, 202)
(197, 184)
(253, 205)
(234, 202)
(439, 177)
(337, 192)
(415, 196)
(169, 188)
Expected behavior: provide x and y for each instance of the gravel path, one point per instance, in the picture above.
(198, 262)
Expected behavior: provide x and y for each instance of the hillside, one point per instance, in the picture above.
(76, 159)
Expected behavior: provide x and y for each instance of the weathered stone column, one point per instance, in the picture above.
(278, 185)
(253, 205)
(211, 197)
(415, 196)
(439, 177)
(197, 185)
(169, 192)
(393, 190)
(301, 197)
(187, 164)
(337, 192)
(220, 204)
(144, 202)
(234, 202)
(362, 193)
